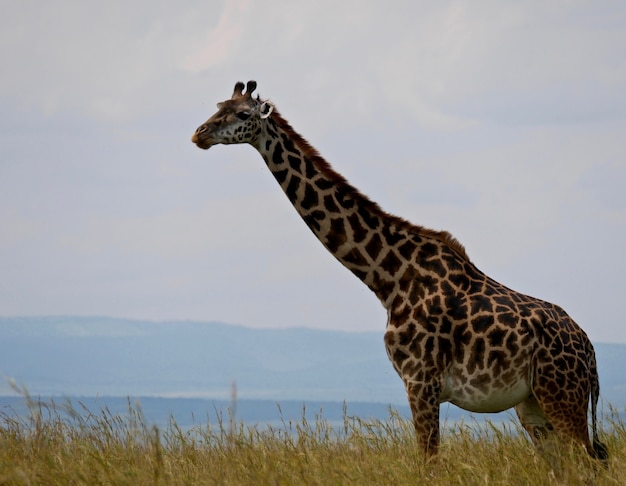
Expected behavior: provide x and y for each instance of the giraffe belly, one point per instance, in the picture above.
(482, 396)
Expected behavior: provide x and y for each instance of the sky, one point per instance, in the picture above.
(500, 121)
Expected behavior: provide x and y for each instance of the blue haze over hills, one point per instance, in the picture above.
(109, 357)
(88, 356)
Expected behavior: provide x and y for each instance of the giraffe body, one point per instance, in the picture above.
(453, 334)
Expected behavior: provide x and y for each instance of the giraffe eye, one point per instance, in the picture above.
(243, 115)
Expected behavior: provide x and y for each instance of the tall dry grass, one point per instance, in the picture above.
(65, 444)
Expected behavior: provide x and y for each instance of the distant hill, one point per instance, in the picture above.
(101, 356)
(116, 357)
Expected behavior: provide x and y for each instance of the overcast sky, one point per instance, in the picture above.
(502, 122)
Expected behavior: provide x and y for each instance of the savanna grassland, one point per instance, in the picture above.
(66, 445)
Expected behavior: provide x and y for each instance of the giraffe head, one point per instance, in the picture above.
(238, 120)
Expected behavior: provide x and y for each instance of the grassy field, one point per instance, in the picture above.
(58, 444)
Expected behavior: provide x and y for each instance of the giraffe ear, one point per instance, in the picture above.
(266, 109)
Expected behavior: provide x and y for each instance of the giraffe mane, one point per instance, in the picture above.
(324, 166)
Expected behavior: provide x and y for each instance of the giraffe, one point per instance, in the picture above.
(453, 334)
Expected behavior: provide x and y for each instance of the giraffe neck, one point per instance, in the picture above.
(375, 246)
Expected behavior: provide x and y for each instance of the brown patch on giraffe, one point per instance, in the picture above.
(343, 198)
(391, 262)
(323, 184)
(390, 339)
(407, 335)
(277, 154)
(313, 219)
(496, 337)
(330, 204)
(355, 257)
(482, 323)
(295, 163)
(393, 234)
(460, 280)
(381, 287)
(337, 234)
(292, 188)
(407, 249)
(359, 232)
(311, 198)
(374, 246)
(281, 175)
(480, 305)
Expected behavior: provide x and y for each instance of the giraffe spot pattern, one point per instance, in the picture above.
(359, 232)
(311, 198)
(330, 205)
(391, 263)
(292, 188)
(277, 154)
(294, 162)
(337, 234)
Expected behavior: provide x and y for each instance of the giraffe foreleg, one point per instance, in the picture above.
(424, 404)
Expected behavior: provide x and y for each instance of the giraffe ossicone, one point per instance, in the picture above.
(453, 333)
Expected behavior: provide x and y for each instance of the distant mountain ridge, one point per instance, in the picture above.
(104, 356)
(119, 357)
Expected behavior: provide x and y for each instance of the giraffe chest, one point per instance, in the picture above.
(483, 391)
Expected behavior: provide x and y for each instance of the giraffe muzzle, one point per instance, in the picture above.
(199, 140)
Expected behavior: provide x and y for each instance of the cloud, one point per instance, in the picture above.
(106, 60)
(492, 61)
(15, 228)
(445, 65)
(222, 41)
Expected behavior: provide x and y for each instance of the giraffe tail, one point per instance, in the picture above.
(600, 450)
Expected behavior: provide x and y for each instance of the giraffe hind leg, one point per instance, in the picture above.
(541, 431)
(547, 431)
(533, 420)
(546, 422)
